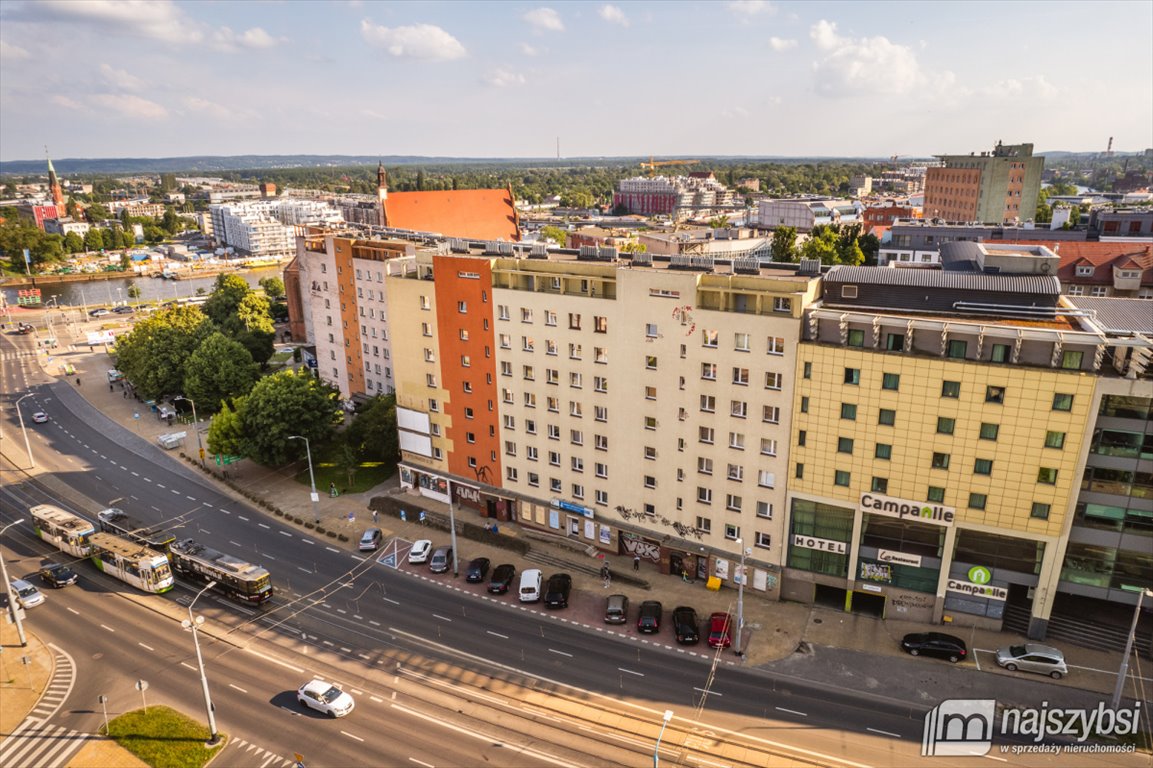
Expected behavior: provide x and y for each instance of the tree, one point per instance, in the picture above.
(784, 247)
(848, 250)
(283, 404)
(73, 243)
(870, 247)
(227, 294)
(720, 222)
(260, 344)
(373, 432)
(556, 234)
(94, 239)
(632, 246)
(154, 354)
(133, 290)
(97, 212)
(170, 222)
(253, 313)
(577, 198)
(226, 432)
(273, 287)
(218, 370)
(822, 245)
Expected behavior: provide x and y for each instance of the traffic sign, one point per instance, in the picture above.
(389, 560)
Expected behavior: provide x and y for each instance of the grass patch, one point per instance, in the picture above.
(163, 737)
(369, 474)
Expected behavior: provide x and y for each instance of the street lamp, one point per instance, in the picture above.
(193, 623)
(195, 426)
(1121, 673)
(311, 476)
(8, 591)
(657, 750)
(452, 530)
(741, 598)
(24, 431)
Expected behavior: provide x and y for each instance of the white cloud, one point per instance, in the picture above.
(503, 78)
(252, 39)
(869, 65)
(781, 44)
(155, 19)
(824, 34)
(530, 50)
(544, 20)
(209, 108)
(751, 7)
(128, 105)
(420, 41)
(67, 103)
(9, 52)
(1036, 87)
(119, 78)
(613, 15)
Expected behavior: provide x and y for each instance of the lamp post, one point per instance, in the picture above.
(195, 427)
(311, 476)
(452, 529)
(24, 431)
(668, 715)
(8, 591)
(192, 623)
(741, 599)
(1121, 673)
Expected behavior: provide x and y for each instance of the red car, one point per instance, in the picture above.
(720, 625)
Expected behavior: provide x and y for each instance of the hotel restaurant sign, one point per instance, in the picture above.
(903, 509)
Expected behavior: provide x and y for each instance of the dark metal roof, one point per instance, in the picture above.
(1046, 285)
(1118, 315)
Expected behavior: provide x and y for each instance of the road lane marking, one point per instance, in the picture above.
(629, 671)
(235, 543)
(498, 634)
(492, 740)
(714, 693)
(349, 735)
(303, 569)
(390, 600)
(286, 533)
(420, 762)
(242, 517)
(73, 610)
(559, 653)
(136, 474)
(265, 527)
(190, 498)
(333, 549)
(237, 687)
(883, 733)
(188, 666)
(159, 485)
(173, 490)
(792, 712)
(206, 504)
(442, 618)
(308, 541)
(105, 626)
(274, 660)
(146, 647)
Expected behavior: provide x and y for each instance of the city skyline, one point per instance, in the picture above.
(159, 79)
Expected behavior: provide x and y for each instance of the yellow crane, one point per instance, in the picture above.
(652, 164)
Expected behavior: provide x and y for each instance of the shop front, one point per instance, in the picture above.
(484, 500)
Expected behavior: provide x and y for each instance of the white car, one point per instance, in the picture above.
(420, 551)
(39, 417)
(325, 697)
(27, 596)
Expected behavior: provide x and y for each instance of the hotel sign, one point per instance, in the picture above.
(903, 509)
(900, 558)
(977, 590)
(823, 545)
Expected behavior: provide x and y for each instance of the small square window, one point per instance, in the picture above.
(880, 485)
(1055, 440)
(887, 417)
(856, 338)
(995, 395)
(940, 461)
(951, 389)
(936, 495)
(989, 431)
(1039, 511)
(977, 500)
(956, 349)
(1062, 402)
(1047, 475)
(983, 467)
(883, 451)
(841, 477)
(891, 381)
(945, 425)
(852, 375)
(849, 411)
(844, 445)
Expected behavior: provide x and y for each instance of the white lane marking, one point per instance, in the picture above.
(190, 498)
(542, 756)
(390, 600)
(309, 541)
(286, 533)
(242, 517)
(274, 660)
(442, 618)
(173, 490)
(333, 549)
(303, 569)
(559, 653)
(420, 762)
(498, 634)
(146, 647)
(188, 666)
(265, 527)
(349, 735)
(883, 733)
(235, 543)
(792, 712)
(73, 610)
(268, 557)
(105, 626)
(158, 485)
(206, 504)
(237, 687)
(629, 671)
(714, 693)
(136, 474)
(148, 479)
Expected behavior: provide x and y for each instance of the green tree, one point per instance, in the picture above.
(556, 234)
(170, 222)
(870, 247)
(154, 354)
(577, 198)
(373, 432)
(73, 243)
(219, 370)
(253, 313)
(97, 212)
(848, 249)
(822, 245)
(226, 431)
(260, 344)
(784, 247)
(133, 290)
(632, 246)
(273, 287)
(227, 293)
(94, 239)
(283, 404)
(720, 222)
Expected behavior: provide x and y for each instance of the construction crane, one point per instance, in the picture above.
(653, 164)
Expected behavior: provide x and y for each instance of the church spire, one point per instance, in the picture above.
(382, 193)
(54, 182)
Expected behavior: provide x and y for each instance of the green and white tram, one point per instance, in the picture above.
(67, 532)
(144, 568)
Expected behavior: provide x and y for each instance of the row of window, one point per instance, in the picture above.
(600, 324)
(958, 349)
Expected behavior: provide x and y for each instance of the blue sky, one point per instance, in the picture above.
(118, 78)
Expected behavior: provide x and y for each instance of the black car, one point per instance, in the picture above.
(935, 644)
(649, 619)
(477, 570)
(686, 627)
(58, 576)
(502, 577)
(557, 590)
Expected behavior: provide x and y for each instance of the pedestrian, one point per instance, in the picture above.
(374, 516)
(636, 562)
(78, 381)
(110, 387)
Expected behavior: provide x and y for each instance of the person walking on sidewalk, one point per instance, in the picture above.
(636, 562)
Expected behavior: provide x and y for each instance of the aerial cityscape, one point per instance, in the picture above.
(590, 384)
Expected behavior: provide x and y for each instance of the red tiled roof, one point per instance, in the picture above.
(1103, 257)
(484, 214)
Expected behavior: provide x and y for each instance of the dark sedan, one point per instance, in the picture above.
(477, 570)
(649, 618)
(58, 576)
(935, 644)
(502, 577)
(686, 627)
(557, 590)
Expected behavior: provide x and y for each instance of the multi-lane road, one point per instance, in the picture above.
(442, 675)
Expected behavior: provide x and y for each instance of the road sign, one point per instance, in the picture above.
(389, 560)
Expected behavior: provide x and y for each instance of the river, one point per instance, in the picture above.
(115, 290)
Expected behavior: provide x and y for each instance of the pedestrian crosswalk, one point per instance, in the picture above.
(36, 741)
(266, 759)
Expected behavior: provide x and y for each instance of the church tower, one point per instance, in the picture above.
(54, 184)
(382, 193)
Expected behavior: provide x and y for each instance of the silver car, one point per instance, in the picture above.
(1033, 657)
(27, 596)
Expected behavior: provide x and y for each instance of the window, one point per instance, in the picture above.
(650, 481)
(470, 437)
(600, 355)
(511, 474)
(601, 442)
(1055, 440)
(705, 434)
(945, 425)
(1039, 511)
(853, 376)
(554, 484)
(601, 470)
(776, 345)
(936, 495)
(732, 532)
(799, 472)
(531, 453)
(430, 379)
(600, 384)
(735, 472)
(845, 445)
(529, 400)
(765, 510)
(879, 485)
(737, 441)
(951, 389)
(983, 467)
(708, 403)
(650, 422)
(425, 328)
(505, 341)
(551, 376)
(883, 451)
(1001, 353)
(651, 362)
(891, 381)
(709, 371)
(650, 453)
(1062, 402)
(841, 477)
(651, 330)
(602, 497)
(887, 417)
(989, 431)
(575, 380)
(741, 376)
(704, 524)
(894, 342)
(465, 361)
(526, 343)
(978, 500)
(509, 448)
(600, 324)
(704, 465)
(849, 411)
(1047, 475)
(739, 409)
(550, 317)
(856, 338)
(741, 342)
(782, 305)
(764, 540)
(732, 502)
(462, 307)
(529, 373)
(550, 347)
(575, 351)
(773, 380)
(808, 371)
(574, 321)
(650, 393)
(766, 479)
(769, 446)
(704, 495)
(553, 432)
(940, 461)
(709, 339)
(804, 403)
(995, 395)
(533, 479)
(530, 426)
(802, 438)
(525, 315)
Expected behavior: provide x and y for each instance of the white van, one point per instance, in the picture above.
(530, 581)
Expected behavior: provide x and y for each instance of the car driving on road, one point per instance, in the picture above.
(58, 576)
(325, 697)
(27, 596)
(40, 417)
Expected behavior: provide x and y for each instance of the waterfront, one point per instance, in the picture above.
(114, 290)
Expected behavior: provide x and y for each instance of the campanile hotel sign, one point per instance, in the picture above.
(905, 509)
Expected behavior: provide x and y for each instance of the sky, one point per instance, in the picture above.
(129, 78)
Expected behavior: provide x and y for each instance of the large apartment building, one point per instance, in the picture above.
(986, 188)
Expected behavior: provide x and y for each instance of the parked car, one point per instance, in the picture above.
(99, 312)
(502, 577)
(530, 581)
(1033, 657)
(649, 618)
(441, 560)
(325, 697)
(371, 540)
(40, 417)
(477, 570)
(58, 576)
(616, 609)
(720, 630)
(27, 596)
(123, 309)
(935, 644)
(420, 551)
(686, 627)
(557, 590)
